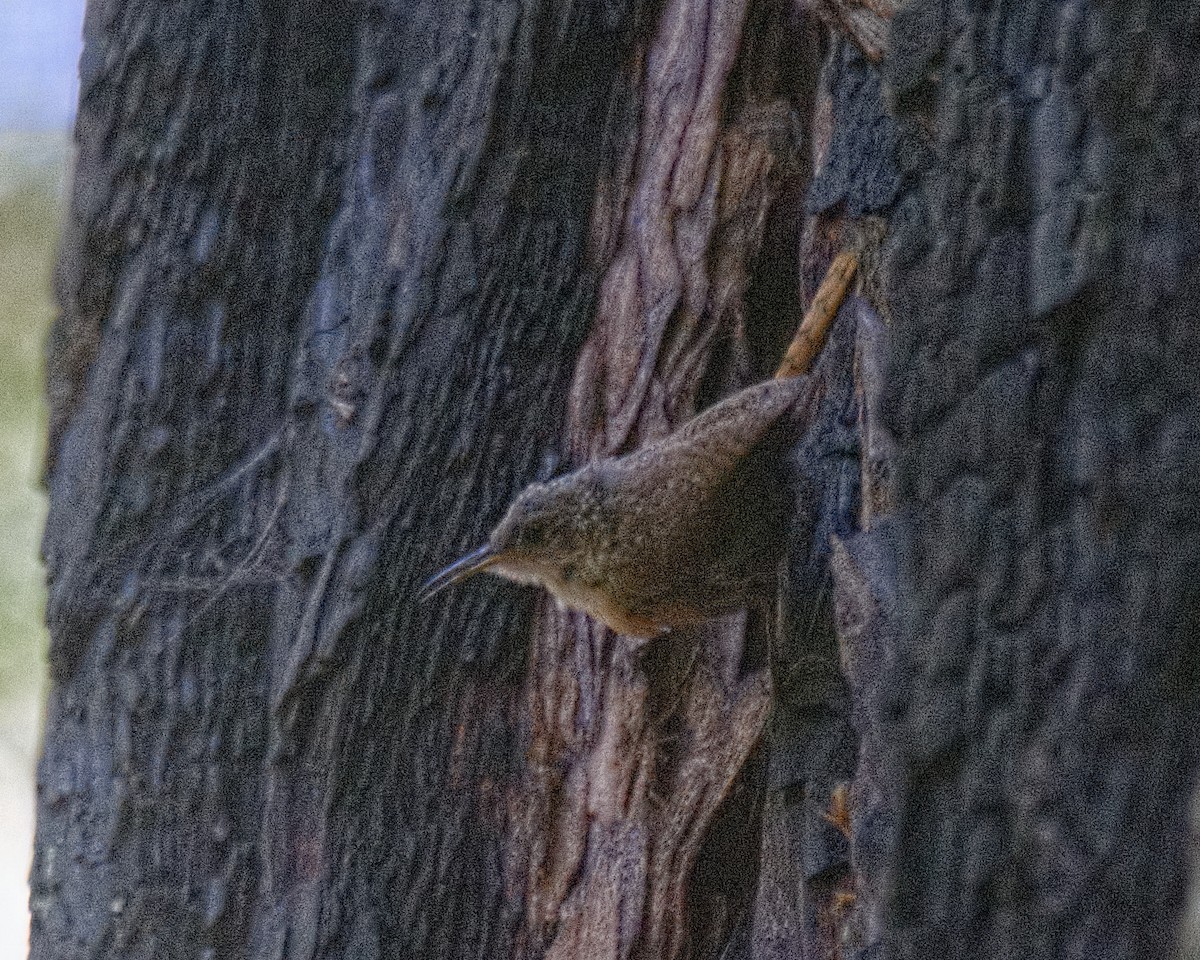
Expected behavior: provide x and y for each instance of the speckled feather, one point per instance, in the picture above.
(675, 533)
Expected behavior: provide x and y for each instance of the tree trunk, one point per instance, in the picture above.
(338, 283)
(1046, 263)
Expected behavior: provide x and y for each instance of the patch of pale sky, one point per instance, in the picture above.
(39, 48)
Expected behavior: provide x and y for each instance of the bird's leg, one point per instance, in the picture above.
(810, 335)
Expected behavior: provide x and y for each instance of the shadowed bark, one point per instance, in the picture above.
(1042, 271)
(338, 283)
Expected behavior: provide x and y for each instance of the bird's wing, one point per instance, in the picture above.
(684, 481)
(717, 440)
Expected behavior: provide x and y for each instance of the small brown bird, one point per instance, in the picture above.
(676, 533)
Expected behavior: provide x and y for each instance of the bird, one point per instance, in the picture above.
(680, 531)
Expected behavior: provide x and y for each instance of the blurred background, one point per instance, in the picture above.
(39, 54)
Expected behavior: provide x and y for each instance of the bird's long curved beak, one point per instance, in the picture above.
(460, 569)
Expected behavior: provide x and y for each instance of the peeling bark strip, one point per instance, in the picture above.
(626, 773)
(676, 234)
(654, 292)
(630, 761)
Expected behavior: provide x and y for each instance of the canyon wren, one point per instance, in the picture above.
(678, 532)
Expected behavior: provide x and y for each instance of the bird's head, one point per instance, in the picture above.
(551, 532)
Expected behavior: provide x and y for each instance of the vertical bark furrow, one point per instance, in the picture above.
(622, 846)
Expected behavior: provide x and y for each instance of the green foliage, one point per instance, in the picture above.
(30, 214)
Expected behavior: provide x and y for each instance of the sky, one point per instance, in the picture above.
(39, 60)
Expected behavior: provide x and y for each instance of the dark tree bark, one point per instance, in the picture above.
(1045, 262)
(338, 283)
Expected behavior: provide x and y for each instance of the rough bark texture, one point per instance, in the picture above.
(337, 284)
(322, 294)
(326, 284)
(1043, 275)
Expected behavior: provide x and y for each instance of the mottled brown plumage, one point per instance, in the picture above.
(673, 534)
